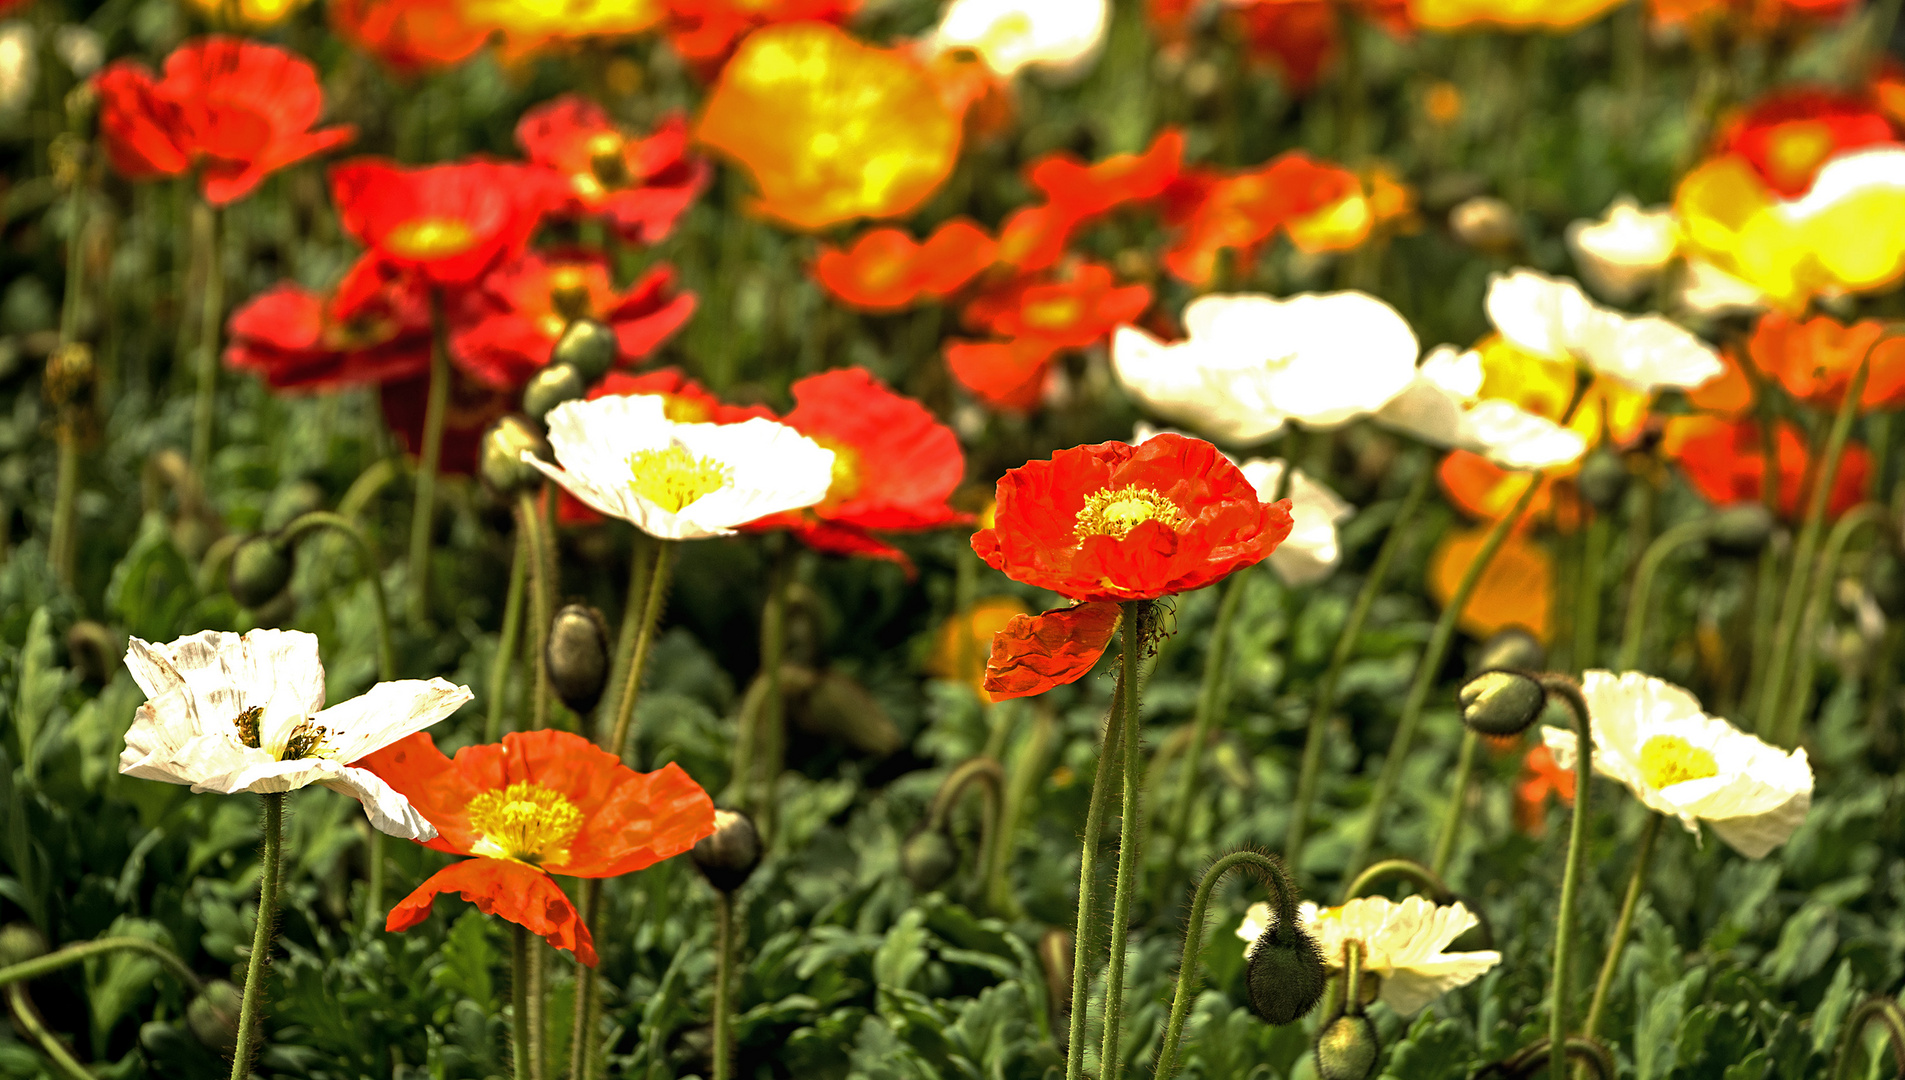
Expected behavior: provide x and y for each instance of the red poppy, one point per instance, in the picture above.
(1034, 237)
(642, 185)
(1071, 314)
(1786, 137)
(893, 467)
(1243, 210)
(410, 36)
(884, 269)
(506, 327)
(473, 407)
(1006, 375)
(1300, 37)
(1034, 653)
(1815, 359)
(1725, 461)
(1541, 778)
(536, 804)
(1761, 15)
(705, 32)
(1119, 522)
(446, 224)
(295, 339)
(235, 110)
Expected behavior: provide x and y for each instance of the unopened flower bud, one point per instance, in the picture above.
(261, 568)
(730, 853)
(1740, 530)
(19, 943)
(1485, 223)
(588, 346)
(578, 656)
(502, 465)
(93, 651)
(551, 387)
(213, 1016)
(70, 374)
(928, 859)
(1284, 974)
(1513, 648)
(1501, 702)
(1603, 480)
(1347, 1048)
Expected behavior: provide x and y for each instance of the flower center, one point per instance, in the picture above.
(1114, 512)
(847, 479)
(684, 410)
(569, 292)
(430, 238)
(674, 477)
(247, 725)
(1666, 760)
(525, 822)
(306, 740)
(1796, 149)
(606, 159)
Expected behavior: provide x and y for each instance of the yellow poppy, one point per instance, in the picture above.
(1517, 588)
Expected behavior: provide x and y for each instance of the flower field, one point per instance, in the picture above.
(966, 539)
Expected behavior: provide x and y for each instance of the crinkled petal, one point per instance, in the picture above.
(389, 812)
(1037, 652)
(387, 712)
(509, 890)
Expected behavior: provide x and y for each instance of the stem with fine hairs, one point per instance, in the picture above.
(429, 457)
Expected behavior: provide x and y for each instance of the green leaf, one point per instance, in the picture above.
(1434, 1050)
(468, 956)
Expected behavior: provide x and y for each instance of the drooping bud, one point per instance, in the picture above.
(1486, 223)
(1284, 974)
(588, 346)
(1603, 480)
(1513, 648)
(928, 859)
(551, 387)
(1501, 702)
(1740, 530)
(20, 942)
(730, 853)
(213, 1016)
(261, 568)
(578, 656)
(1347, 1048)
(503, 467)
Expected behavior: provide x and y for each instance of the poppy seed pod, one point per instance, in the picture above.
(1501, 702)
(503, 467)
(730, 853)
(928, 859)
(1513, 648)
(19, 943)
(578, 655)
(551, 387)
(1603, 480)
(213, 1016)
(261, 568)
(1740, 530)
(1285, 975)
(1347, 1048)
(588, 346)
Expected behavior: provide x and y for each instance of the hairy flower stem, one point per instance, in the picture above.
(641, 568)
(542, 591)
(507, 641)
(1794, 710)
(62, 546)
(1633, 634)
(1087, 922)
(1882, 1011)
(211, 311)
(27, 1018)
(1311, 769)
(989, 775)
(1427, 881)
(430, 455)
(1426, 670)
(1137, 623)
(1569, 692)
(270, 869)
(86, 950)
(1265, 868)
(1623, 924)
(1211, 699)
(1457, 811)
(373, 572)
(1028, 767)
(723, 976)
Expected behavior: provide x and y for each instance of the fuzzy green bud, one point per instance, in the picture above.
(588, 346)
(578, 655)
(928, 859)
(1740, 530)
(1284, 975)
(729, 854)
(551, 387)
(1513, 648)
(1347, 1048)
(1501, 702)
(260, 569)
(502, 464)
(19, 943)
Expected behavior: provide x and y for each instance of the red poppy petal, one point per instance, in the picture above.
(1037, 652)
(509, 890)
(417, 770)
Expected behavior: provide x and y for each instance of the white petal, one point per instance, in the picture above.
(1538, 314)
(1008, 35)
(1256, 921)
(1756, 835)
(1623, 253)
(1407, 990)
(388, 811)
(1515, 438)
(385, 713)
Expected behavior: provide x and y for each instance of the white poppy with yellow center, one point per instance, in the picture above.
(1553, 317)
(624, 457)
(1061, 36)
(1624, 252)
(1402, 945)
(1444, 407)
(1651, 736)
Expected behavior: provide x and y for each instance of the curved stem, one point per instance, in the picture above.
(519, 941)
(541, 603)
(1137, 616)
(211, 310)
(1633, 634)
(372, 480)
(723, 973)
(1211, 697)
(1088, 882)
(1426, 881)
(990, 775)
(1624, 925)
(507, 641)
(86, 950)
(1027, 768)
(1265, 868)
(1568, 691)
(423, 514)
(1457, 811)
(1873, 1009)
(267, 925)
(28, 1019)
(1786, 729)
(325, 519)
(1311, 770)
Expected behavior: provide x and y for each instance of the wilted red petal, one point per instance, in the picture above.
(508, 890)
(1037, 652)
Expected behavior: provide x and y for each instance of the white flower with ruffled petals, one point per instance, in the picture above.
(1624, 252)
(1553, 317)
(1311, 552)
(1653, 737)
(1060, 36)
(1443, 407)
(1402, 944)
(231, 713)
(624, 457)
(1252, 362)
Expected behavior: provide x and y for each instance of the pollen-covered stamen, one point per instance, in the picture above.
(247, 725)
(674, 477)
(430, 238)
(1666, 760)
(307, 740)
(1114, 512)
(608, 160)
(525, 822)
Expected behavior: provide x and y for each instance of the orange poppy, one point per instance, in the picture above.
(965, 638)
(1725, 460)
(1073, 313)
(705, 32)
(1006, 375)
(1034, 653)
(884, 269)
(1815, 359)
(410, 36)
(1516, 589)
(1034, 237)
(642, 185)
(1242, 211)
(1542, 778)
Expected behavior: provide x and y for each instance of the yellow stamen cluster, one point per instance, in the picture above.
(569, 293)
(525, 822)
(1666, 760)
(1114, 512)
(307, 740)
(606, 159)
(247, 725)
(430, 238)
(674, 477)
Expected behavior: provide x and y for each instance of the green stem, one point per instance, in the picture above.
(1265, 868)
(1353, 977)
(1427, 881)
(1566, 689)
(369, 483)
(641, 568)
(325, 519)
(650, 617)
(1587, 611)
(1354, 103)
(723, 973)
(1311, 770)
(1623, 925)
(1884, 1012)
(768, 747)
(990, 776)
(60, 543)
(1137, 614)
(423, 515)
(542, 590)
(1765, 611)
(508, 640)
(519, 999)
(538, 1004)
(1457, 812)
(1634, 632)
(1211, 697)
(211, 310)
(1786, 731)
(28, 1019)
(252, 1004)
(1427, 669)
(1027, 769)
(86, 950)
(1088, 882)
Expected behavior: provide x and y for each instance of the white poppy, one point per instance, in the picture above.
(1443, 407)
(1707, 291)
(624, 457)
(1624, 252)
(1651, 736)
(1402, 944)
(1062, 36)
(1251, 362)
(227, 713)
(1310, 553)
(1553, 317)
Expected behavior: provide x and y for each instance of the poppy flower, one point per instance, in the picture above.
(1815, 359)
(1034, 653)
(964, 640)
(229, 713)
(505, 328)
(1730, 395)
(1402, 944)
(829, 128)
(1788, 135)
(1541, 777)
(1311, 552)
(1059, 36)
(410, 37)
(1516, 589)
(1508, 14)
(251, 14)
(296, 339)
(536, 804)
(447, 225)
(234, 110)
(1725, 461)
(684, 401)
(705, 32)
(1006, 375)
(884, 269)
(1444, 407)
(1761, 15)
(641, 185)
(1034, 237)
(1080, 310)
(1486, 491)
(1624, 252)
(1116, 522)
(1242, 211)
(894, 465)
(1653, 737)
(526, 26)
(1552, 317)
